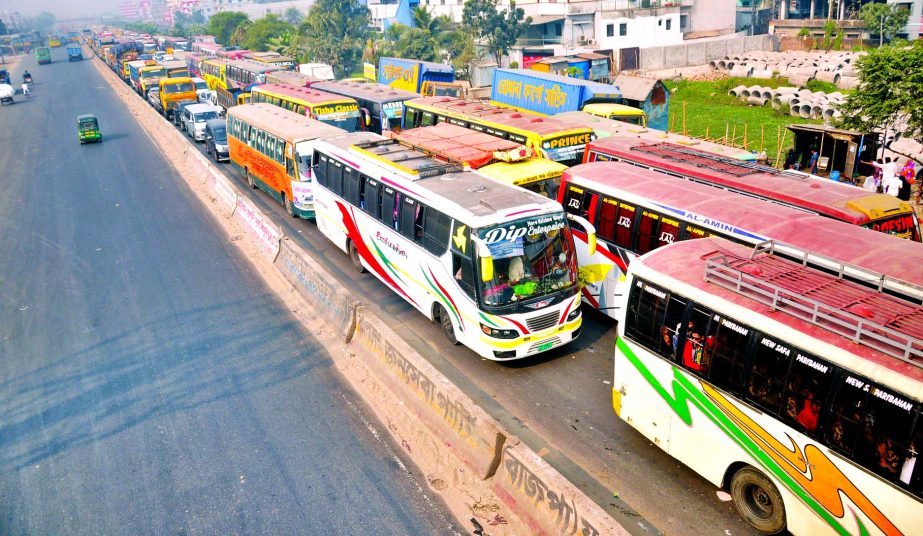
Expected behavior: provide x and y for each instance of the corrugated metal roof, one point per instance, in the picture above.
(635, 87)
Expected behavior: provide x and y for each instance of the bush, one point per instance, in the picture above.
(817, 85)
(804, 32)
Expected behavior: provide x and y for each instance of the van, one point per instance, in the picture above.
(194, 118)
(216, 139)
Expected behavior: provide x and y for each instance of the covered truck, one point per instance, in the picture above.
(74, 52)
(546, 93)
(413, 75)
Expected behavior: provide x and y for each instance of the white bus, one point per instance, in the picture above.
(797, 391)
(494, 264)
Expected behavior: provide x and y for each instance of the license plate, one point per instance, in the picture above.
(545, 346)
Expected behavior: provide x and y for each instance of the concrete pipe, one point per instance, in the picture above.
(816, 112)
(782, 102)
(730, 65)
(799, 79)
(794, 110)
(739, 72)
(721, 64)
(849, 71)
(766, 93)
(756, 101)
(794, 101)
(713, 64)
(818, 95)
(848, 82)
(827, 76)
(736, 92)
(786, 90)
(835, 96)
(804, 110)
(764, 74)
(755, 90)
(827, 113)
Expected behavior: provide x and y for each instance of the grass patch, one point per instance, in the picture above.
(710, 109)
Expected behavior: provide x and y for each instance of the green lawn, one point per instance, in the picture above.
(709, 109)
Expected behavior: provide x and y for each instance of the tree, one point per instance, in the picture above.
(417, 44)
(262, 30)
(890, 92)
(292, 16)
(885, 20)
(42, 22)
(223, 25)
(3, 30)
(335, 32)
(496, 29)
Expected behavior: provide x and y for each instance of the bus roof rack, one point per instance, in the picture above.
(876, 319)
(415, 163)
(715, 162)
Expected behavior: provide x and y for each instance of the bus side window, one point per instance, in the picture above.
(726, 345)
(387, 206)
(408, 216)
(647, 231)
(351, 186)
(290, 167)
(370, 196)
(427, 120)
(577, 201)
(463, 269)
(655, 319)
(436, 228)
(320, 168)
(771, 359)
(410, 116)
(696, 341)
(605, 224)
(335, 177)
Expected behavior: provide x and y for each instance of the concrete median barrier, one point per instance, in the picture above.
(264, 232)
(225, 195)
(330, 300)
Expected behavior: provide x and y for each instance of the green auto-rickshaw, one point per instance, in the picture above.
(88, 128)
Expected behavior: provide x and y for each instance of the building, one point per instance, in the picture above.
(914, 27)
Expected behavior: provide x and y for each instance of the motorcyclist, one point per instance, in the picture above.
(26, 77)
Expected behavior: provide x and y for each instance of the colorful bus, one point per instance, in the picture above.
(758, 373)
(214, 71)
(617, 112)
(499, 277)
(242, 73)
(205, 48)
(292, 78)
(554, 139)
(382, 106)
(54, 41)
(502, 160)
(636, 210)
(832, 199)
(273, 148)
(176, 69)
(232, 53)
(272, 58)
(43, 55)
(335, 110)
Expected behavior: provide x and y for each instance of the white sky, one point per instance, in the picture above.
(62, 9)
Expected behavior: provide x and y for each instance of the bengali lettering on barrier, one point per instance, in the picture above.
(335, 304)
(225, 195)
(266, 232)
(449, 414)
(535, 491)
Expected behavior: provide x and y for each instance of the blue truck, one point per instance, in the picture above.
(546, 93)
(413, 75)
(74, 52)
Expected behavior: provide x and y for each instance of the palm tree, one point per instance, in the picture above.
(292, 16)
(439, 28)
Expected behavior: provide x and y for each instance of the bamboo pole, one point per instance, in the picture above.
(734, 136)
(726, 128)
(762, 136)
(673, 124)
(745, 136)
(779, 162)
(707, 130)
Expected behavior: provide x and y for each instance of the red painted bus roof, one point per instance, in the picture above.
(540, 124)
(819, 195)
(459, 144)
(305, 93)
(873, 250)
(686, 261)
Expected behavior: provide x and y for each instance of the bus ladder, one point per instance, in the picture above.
(879, 320)
(701, 159)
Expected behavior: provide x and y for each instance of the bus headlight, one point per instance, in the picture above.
(573, 314)
(499, 333)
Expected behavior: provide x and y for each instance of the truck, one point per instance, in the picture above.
(74, 52)
(546, 93)
(413, 75)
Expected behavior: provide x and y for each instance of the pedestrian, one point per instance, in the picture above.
(907, 180)
(888, 173)
(812, 164)
(873, 182)
(25, 89)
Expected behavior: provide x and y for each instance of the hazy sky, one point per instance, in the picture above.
(62, 9)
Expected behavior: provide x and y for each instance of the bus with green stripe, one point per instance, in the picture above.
(792, 387)
(493, 264)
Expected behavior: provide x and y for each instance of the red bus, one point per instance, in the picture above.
(844, 202)
(636, 210)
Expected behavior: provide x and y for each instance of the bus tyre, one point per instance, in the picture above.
(758, 501)
(354, 257)
(289, 206)
(250, 179)
(447, 326)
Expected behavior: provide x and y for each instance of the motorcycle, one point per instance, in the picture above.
(27, 78)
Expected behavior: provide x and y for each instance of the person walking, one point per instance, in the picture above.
(812, 164)
(873, 182)
(25, 89)
(888, 174)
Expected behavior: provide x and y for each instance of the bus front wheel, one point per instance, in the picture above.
(447, 327)
(250, 179)
(354, 257)
(289, 206)
(758, 501)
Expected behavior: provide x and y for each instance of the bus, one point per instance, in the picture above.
(617, 112)
(502, 160)
(273, 148)
(493, 264)
(844, 202)
(759, 375)
(176, 69)
(194, 64)
(272, 58)
(54, 41)
(554, 139)
(232, 53)
(43, 55)
(292, 78)
(636, 210)
(205, 48)
(241, 73)
(214, 71)
(341, 112)
(382, 106)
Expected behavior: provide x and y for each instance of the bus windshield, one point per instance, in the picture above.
(345, 116)
(205, 116)
(532, 258)
(153, 73)
(177, 88)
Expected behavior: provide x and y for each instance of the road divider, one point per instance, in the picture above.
(476, 465)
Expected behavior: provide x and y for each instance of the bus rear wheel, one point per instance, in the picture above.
(758, 501)
(250, 179)
(355, 258)
(447, 326)
(289, 206)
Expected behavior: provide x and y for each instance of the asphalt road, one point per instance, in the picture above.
(559, 403)
(149, 383)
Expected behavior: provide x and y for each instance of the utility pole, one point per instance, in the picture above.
(881, 31)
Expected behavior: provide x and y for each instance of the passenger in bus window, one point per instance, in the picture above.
(694, 350)
(807, 418)
(909, 464)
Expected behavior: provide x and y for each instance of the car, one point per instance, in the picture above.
(6, 94)
(194, 118)
(174, 110)
(216, 139)
(178, 113)
(88, 129)
(153, 97)
(201, 89)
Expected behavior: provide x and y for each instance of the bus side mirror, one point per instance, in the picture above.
(590, 232)
(486, 257)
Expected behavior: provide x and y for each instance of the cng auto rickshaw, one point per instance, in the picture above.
(88, 129)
